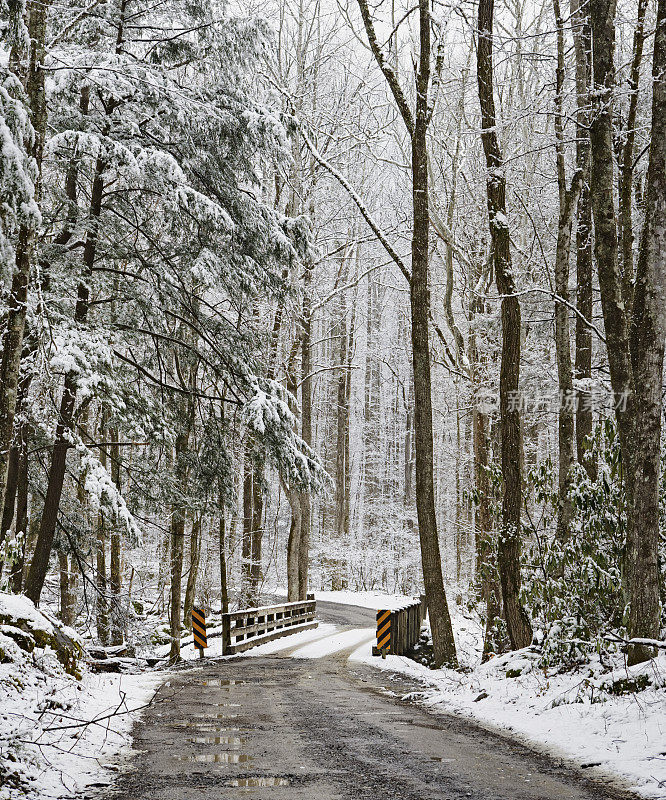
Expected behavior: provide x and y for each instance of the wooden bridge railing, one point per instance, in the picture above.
(398, 629)
(251, 627)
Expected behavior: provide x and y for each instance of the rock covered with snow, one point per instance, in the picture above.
(24, 626)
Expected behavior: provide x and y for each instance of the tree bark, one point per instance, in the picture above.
(246, 543)
(177, 547)
(115, 574)
(17, 302)
(583, 363)
(647, 335)
(341, 520)
(222, 542)
(568, 202)
(102, 602)
(419, 292)
(635, 344)
(306, 433)
(192, 574)
(11, 486)
(40, 561)
(178, 529)
(626, 165)
(65, 589)
(21, 527)
(509, 547)
(256, 568)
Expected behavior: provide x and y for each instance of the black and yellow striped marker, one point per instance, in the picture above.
(199, 629)
(384, 630)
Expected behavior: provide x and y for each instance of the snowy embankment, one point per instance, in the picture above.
(587, 716)
(61, 727)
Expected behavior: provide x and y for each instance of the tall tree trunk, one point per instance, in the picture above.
(568, 201)
(65, 589)
(256, 568)
(177, 547)
(583, 365)
(222, 542)
(246, 542)
(177, 530)
(17, 305)
(102, 599)
(115, 574)
(626, 165)
(647, 335)
(192, 574)
(341, 520)
(419, 293)
(509, 546)
(306, 433)
(11, 486)
(102, 602)
(635, 345)
(40, 561)
(21, 511)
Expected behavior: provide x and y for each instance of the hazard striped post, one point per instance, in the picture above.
(199, 629)
(384, 620)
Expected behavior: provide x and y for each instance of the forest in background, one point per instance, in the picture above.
(336, 296)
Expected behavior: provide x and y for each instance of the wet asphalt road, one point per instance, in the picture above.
(282, 728)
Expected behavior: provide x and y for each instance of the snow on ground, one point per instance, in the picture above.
(59, 733)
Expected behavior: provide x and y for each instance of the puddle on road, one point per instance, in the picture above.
(216, 758)
(219, 683)
(258, 782)
(234, 740)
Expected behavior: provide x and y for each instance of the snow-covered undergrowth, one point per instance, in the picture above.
(604, 716)
(60, 725)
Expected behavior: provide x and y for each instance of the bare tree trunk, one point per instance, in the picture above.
(635, 345)
(115, 575)
(17, 306)
(293, 543)
(256, 569)
(222, 541)
(509, 547)
(65, 589)
(409, 455)
(178, 530)
(40, 561)
(626, 165)
(341, 521)
(647, 335)
(177, 547)
(21, 511)
(568, 201)
(306, 434)
(584, 416)
(191, 587)
(246, 542)
(419, 292)
(102, 603)
(11, 485)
